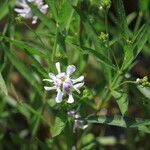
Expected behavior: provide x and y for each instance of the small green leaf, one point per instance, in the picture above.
(3, 85)
(59, 124)
(122, 101)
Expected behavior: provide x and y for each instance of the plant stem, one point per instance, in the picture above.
(138, 21)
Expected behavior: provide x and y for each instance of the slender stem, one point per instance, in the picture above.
(35, 35)
(138, 21)
(106, 20)
(125, 82)
(44, 46)
(55, 47)
(106, 95)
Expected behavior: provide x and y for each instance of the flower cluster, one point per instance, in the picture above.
(78, 121)
(64, 84)
(143, 82)
(25, 10)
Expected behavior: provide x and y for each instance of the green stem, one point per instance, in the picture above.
(132, 82)
(44, 46)
(55, 47)
(138, 21)
(106, 95)
(35, 35)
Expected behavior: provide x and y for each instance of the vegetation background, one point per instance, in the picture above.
(109, 42)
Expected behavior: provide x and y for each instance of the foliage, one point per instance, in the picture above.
(107, 44)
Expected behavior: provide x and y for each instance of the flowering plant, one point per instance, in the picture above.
(74, 74)
(64, 84)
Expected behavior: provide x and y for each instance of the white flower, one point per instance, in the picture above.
(64, 84)
(78, 121)
(73, 148)
(25, 10)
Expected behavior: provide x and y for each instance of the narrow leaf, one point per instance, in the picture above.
(101, 57)
(122, 22)
(3, 87)
(125, 122)
(21, 67)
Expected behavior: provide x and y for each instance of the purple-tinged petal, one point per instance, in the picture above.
(70, 70)
(52, 76)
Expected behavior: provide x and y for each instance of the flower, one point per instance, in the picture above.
(64, 84)
(73, 147)
(78, 121)
(25, 10)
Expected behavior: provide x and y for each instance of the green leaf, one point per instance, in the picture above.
(26, 46)
(122, 22)
(132, 50)
(53, 8)
(101, 57)
(125, 122)
(91, 32)
(59, 124)
(65, 17)
(38, 67)
(21, 67)
(143, 5)
(145, 91)
(4, 7)
(3, 87)
(122, 100)
(141, 39)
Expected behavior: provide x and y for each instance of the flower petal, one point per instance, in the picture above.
(34, 21)
(49, 80)
(61, 75)
(70, 99)
(80, 79)
(77, 86)
(52, 76)
(71, 112)
(58, 67)
(59, 96)
(48, 88)
(70, 70)
(84, 126)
